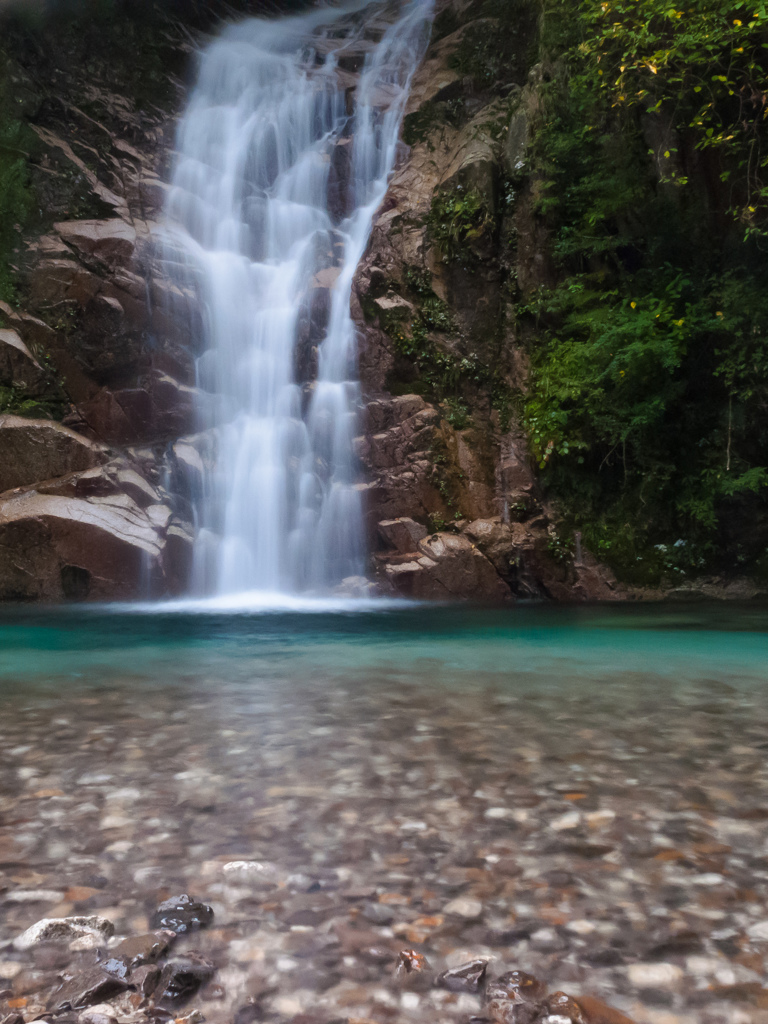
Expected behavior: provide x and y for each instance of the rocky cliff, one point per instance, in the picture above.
(103, 437)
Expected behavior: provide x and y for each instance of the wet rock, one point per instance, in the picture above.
(514, 1011)
(182, 914)
(182, 977)
(410, 962)
(516, 985)
(145, 978)
(12, 1018)
(94, 985)
(562, 1005)
(143, 949)
(63, 929)
(116, 966)
(469, 977)
(413, 972)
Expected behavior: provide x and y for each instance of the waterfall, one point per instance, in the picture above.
(283, 156)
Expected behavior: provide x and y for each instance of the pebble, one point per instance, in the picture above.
(655, 975)
(464, 907)
(62, 928)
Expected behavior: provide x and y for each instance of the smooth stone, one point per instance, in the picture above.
(53, 929)
(655, 975)
(462, 906)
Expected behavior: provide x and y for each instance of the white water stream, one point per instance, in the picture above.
(284, 155)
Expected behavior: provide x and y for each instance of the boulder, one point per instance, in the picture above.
(448, 566)
(40, 450)
(55, 547)
(111, 242)
(403, 535)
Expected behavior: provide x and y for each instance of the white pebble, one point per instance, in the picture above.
(759, 931)
(410, 1000)
(35, 896)
(654, 975)
(570, 820)
(581, 927)
(500, 813)
(464, 907)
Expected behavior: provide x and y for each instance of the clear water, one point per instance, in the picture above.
(259, 237)
(555, 647)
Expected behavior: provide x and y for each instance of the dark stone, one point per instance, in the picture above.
(144, 949)
(182, 977)
(684, 943)
(145, 978)
(94, 985)
(75, 582)
(606, 957)
(469, 977)
(13, 1018)
(182, 914)
(247, 1014)
(378, 913)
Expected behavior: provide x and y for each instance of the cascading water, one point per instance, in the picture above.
(284, 155)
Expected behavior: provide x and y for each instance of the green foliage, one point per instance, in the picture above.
(647, 408)
(458, 219)
(700, 68)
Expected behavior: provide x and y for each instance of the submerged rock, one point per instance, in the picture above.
(468, 977)
(182, 914)
(182, 977)
(91, 986)
(143, 949)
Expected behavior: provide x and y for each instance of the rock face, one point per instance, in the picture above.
(92, 341)
(454, 510)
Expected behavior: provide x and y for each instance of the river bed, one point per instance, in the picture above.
(580, 793)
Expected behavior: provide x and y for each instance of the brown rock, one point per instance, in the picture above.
(144, 949)
(54, 547)
(110, 241)
(36, 450)
(448, 566)
(402, 534)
